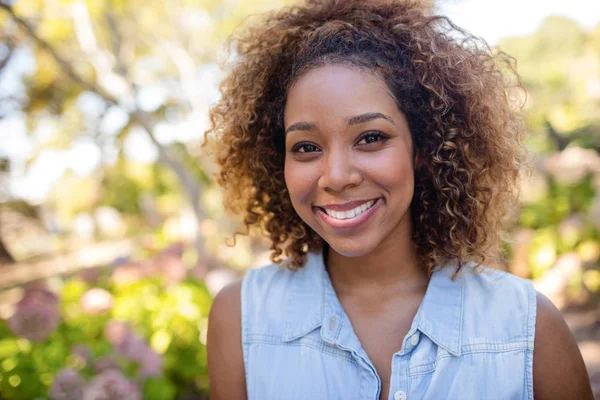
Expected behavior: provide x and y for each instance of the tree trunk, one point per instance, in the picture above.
(5, 257)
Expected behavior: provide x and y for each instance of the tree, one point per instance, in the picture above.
(5, 256)
(94, 59)
(558, 64)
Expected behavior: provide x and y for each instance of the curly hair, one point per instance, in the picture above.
(453, 89)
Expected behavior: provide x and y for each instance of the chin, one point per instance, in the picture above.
(351, 249)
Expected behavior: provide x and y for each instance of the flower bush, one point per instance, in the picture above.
(103, 336)
(559, 224)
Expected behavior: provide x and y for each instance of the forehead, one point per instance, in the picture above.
(337, 90)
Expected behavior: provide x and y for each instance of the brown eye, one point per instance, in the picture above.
(371, 137)
(305, 148)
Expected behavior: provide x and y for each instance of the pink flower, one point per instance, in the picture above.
(116, 331)
(36, 315)
(83, 353)
(68, 385)
(91, 275)
(126, 274)
(105, 363)
(96, 301)
(198, 272)
(151, 364)
(169, 263)
(571, 165)
(172, 268)
(175, 249)
(133, 348)
(111, 385)
(125, 341)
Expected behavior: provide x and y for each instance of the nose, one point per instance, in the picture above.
(339, 171)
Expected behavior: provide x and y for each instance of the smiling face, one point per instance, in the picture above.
(348, 161)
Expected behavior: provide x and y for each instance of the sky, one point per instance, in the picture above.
(493, 20)
(488, 19)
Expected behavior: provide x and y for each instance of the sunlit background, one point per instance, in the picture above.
(112, 233)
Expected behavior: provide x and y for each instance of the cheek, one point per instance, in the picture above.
(300, 183)
(392, 170)
(400, 177)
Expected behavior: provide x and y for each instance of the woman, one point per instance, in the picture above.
(377, 148)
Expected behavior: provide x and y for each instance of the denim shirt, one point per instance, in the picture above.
(471, 338)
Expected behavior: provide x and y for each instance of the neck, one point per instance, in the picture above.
(391, 269)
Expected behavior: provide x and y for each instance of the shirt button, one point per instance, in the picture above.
(400, 395)
(332, 323)
(414, 339)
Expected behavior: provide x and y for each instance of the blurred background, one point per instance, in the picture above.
(112, 233)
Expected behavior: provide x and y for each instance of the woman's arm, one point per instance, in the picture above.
(558, 368)
(224, 346)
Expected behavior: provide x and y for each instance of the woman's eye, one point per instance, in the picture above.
(305, 148)
(372, 137)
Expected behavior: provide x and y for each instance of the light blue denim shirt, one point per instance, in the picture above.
(471, 338)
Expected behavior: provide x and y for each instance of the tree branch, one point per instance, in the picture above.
(11, 48)
(146, 120)
(61, 61)
(117, 43)
(560, 141)
(5, 256)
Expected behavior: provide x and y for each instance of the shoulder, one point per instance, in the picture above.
(268, 277)
(227, 304)
(224, 345)
(264, 292)
(498, 307)
(224, 319)
(494, 282)
(502, 307)
(242, 306)
(493, 288)
(225, 315)
(558, 368)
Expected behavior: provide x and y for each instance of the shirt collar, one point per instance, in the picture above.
(439, 316)
(305, 302)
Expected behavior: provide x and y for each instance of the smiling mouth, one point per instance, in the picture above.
(350, 219)
(342, 215)
(349, 214)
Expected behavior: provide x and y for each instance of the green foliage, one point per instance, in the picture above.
(558, 65)
(172, 317)
(159, 389)
(560, 202)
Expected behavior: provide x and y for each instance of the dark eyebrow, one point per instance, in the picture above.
(301, 126)
(366, 117)
(357, 119)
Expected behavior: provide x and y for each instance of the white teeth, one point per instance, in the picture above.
(351, 213)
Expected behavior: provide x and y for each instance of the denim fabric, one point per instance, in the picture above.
(471, 338)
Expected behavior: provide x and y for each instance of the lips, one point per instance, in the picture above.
(346, 206)
(351, 213)
(348, 222)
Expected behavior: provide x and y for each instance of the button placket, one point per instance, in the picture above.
(400, 367)
(414, 339)
(400, 395)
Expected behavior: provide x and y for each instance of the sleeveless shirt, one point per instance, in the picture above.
(471, 338)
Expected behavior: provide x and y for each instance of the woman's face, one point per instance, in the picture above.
(348, 161)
